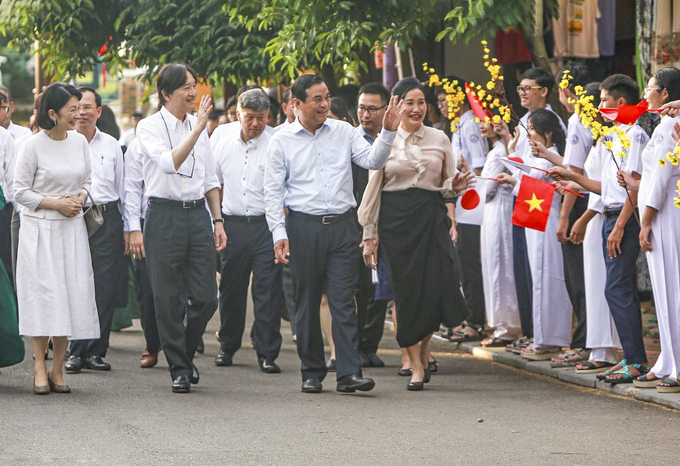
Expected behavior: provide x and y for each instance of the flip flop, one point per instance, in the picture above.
(673, 386)
(495, 343)
(593, 368)
(608, 372)
(645, 382)
(627, 376)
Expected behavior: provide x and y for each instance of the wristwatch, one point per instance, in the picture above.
(218, 220)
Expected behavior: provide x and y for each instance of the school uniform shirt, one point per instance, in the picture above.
(579, 142)
(613, 195)
(157, 135)
(467, 141)
(240, 169)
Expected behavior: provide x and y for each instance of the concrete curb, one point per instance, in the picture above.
(650, 395)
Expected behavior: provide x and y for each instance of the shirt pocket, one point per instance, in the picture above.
(107, 169)
(257, 178)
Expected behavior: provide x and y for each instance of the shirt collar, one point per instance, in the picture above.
(297, 126)
(420, 132)
(254, 141)
(465, 117)
(170, 119)
(365, 135)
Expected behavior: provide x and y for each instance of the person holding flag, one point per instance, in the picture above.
(500, 296)
(407, 198)
(538, 210)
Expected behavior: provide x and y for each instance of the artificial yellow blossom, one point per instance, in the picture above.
(496, 119)
(609, 145)
(662, 162)
(484, 42)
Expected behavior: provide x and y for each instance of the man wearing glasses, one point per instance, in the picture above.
(179, 174)
(6, 112)
(106, 244)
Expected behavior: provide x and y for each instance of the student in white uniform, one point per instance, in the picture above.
(500, 296)
(550, 302)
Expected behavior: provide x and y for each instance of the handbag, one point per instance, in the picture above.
(94, 217)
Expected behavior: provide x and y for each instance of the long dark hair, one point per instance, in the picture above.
(341, 110)
(669, 79)
(544, 122)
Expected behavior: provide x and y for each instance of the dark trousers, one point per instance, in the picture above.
(324, 253)
(147, 311)
(370, 313)
(289, 295)
(620, 289)
(468, 249)
(106, 249)
(6, 240)
(523, 282)
(573, 274)
(250, 249)
(180, 254)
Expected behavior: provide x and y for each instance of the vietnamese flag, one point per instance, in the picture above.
(532, 207)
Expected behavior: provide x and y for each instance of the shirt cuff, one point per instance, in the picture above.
(279, 233)
(134, 225)
(370, 232)
(167, 163)
(387, 136)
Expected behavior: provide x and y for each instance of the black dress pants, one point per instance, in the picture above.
(573, 274)
(250, 249)
(324, 253)
(180, 254)
(147, 311)
(106, 249)
(469, 252)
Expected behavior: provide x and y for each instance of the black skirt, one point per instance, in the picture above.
(414, 233)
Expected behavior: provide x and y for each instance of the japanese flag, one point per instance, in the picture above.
(470, 207)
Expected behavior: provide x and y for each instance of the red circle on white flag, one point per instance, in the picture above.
(470, 200)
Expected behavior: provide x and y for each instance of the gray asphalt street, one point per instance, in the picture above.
(473, 412)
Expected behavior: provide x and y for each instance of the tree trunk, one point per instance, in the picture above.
(532, 32)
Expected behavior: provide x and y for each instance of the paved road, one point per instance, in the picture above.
(238, 415)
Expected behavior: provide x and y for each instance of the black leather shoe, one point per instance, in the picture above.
(433, 366)
(364, 359)
(200, 349)
(330, 366)
(223, 359)
(181, 384)
(374, 360)
(352, 383)
(415, 386)
(73, 365)
(195, 376)
(96, 363)
(405, 372)
(426, 379)
(268, 368)
(311, 386)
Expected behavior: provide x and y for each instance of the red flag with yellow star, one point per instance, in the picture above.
(532, 207)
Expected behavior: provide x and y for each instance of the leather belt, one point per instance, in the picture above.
(612, 212)
(104, 207)
(323, 219)
(182, 204)
(250, 219)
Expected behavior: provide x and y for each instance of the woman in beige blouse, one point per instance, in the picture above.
(406, 205)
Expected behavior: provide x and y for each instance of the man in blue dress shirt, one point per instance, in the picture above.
(309, 172)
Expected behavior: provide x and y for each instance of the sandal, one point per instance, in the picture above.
(462, 336)
(627, 376)
(672, 386)
(608, 372)
(517, 345)
(540, 353)
(569, 358)
(590, 367)
(645, 381)
(495, 342)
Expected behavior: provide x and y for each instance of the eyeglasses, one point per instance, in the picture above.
(370, 110)
(526, 89)
(193, 157)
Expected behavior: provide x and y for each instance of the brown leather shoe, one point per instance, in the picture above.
(148, 359)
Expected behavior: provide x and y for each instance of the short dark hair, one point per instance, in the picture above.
(620, 85)
(304, 82)
(215, 115)
(232, 102)
(407, 84)
(137, 115)
(97, 97)
(579, 75)
(341, 110)
(376, 89)
(544, 121)
(55, 97)
(171, 77)
(274, 107)
(541, 76)
(593, 89)
(669, 79)
(285, 97)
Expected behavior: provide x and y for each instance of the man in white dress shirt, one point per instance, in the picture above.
(309, 171)
(135, 211)
(179, 176)
(241, 159)
(234, 127)
(6, 113)
(106, 244)
(7, 155)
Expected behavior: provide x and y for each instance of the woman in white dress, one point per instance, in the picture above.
(500, 296)
(55, 283)
(551, 304)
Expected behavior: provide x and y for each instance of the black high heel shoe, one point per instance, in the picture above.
(415, 386)
(433, 365)
(426, 379)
